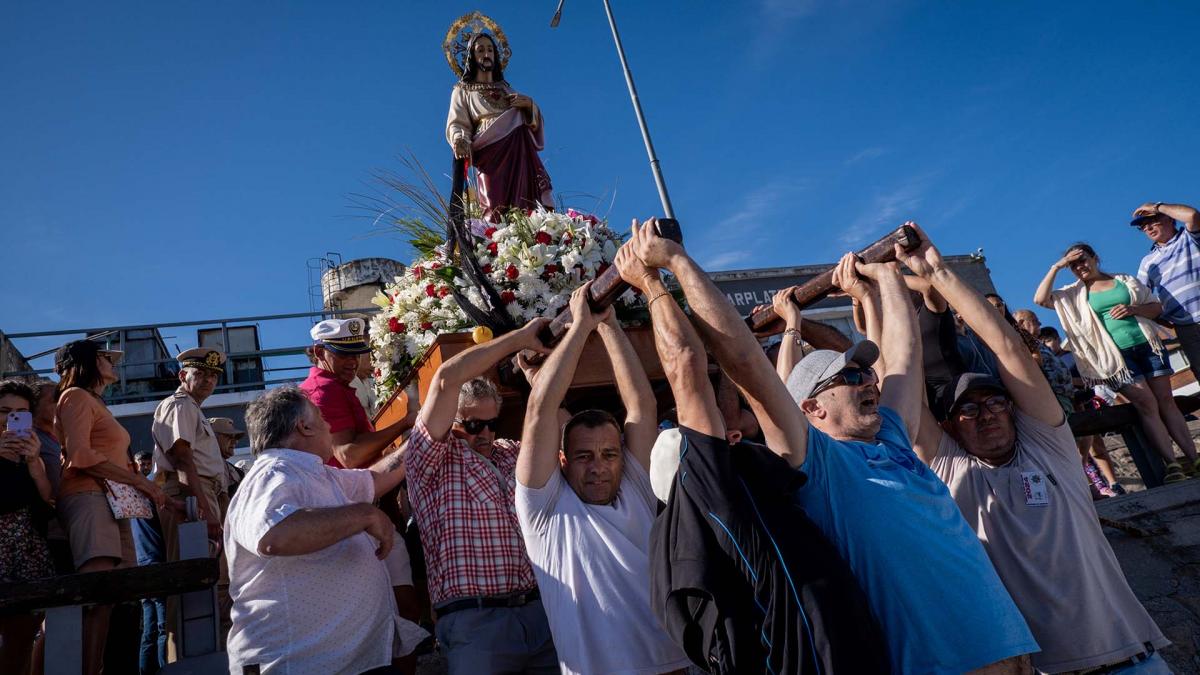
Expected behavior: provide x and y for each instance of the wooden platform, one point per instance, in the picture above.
(593, 375)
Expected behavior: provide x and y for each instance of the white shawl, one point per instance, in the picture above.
(1097, 356)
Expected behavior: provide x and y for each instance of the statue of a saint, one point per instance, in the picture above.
(498, 129)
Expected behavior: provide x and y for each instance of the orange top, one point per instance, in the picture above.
(89, 435)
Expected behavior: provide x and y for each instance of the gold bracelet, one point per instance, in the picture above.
(660, 295)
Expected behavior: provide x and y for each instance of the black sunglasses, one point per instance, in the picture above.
(849, 376)
(476, 426)
(995, 404)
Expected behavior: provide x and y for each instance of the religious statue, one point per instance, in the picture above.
(491, 125)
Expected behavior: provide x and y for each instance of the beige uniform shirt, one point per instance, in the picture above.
(1034, 517)
(179, 417)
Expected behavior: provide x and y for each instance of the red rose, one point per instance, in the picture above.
(511, 272)
(487, 234)
(378, 373)
(566, 238)
(487, 269)
(445, 290)
(508, 297)
(492, 248)
(435, 266)
(426, 325)
(542, 237)
(395, 326)
(551, 269)
(430, 290)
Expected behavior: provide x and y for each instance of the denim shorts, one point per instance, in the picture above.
(1143, 363)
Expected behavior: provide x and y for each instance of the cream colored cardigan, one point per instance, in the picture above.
(1096, 355)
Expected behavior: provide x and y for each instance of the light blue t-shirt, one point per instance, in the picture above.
(928, 581)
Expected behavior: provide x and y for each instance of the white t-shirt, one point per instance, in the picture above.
(593, 568)
(329, 611)
(1035, 518)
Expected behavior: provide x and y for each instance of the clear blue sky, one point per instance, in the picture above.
(182, 160)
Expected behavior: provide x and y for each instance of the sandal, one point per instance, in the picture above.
(1174, 473)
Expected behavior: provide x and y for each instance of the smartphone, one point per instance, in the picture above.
(20, 422)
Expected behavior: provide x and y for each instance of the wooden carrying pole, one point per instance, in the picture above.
(604, 290)
(821, 285)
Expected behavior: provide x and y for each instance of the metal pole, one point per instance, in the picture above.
(637, 108)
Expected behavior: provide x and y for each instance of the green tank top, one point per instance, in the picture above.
(1125, 332)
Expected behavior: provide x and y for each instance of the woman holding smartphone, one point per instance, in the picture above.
(95, 450)
(24, 488)
(1108, 320)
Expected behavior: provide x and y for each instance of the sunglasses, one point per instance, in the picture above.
(476, 426)
(995, 404)
(848, 376)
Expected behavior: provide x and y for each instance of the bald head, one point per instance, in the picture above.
(1027, 320)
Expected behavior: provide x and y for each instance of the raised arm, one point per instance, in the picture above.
(902, 384)
(679, 348)
(1185, 214)
(736, 350)
(540, 439)
(441, 402)
(1044, 295)
(790, 349)
(641, 410)
(1020, 375)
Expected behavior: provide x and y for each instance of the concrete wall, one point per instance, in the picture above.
(353, 284)
(1156, 536)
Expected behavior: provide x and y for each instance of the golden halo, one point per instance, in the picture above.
(460, 34)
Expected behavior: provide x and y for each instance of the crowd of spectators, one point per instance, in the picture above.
(914, 502)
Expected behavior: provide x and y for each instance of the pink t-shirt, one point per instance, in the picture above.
(338, 403)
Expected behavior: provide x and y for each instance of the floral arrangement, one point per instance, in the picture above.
(533, 259)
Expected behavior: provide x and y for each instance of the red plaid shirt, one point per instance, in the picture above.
(464, 507)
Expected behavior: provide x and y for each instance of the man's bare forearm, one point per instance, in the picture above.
(311, 530)
(367, 446)
(633, 385)
(685, 364)
(388, 472)
(538, 458)
(1183, 213)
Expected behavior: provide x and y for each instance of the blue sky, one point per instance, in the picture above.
(174, 161)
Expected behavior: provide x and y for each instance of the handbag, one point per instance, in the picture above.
(126, 501)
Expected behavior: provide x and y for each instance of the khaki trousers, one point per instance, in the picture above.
(211, 493)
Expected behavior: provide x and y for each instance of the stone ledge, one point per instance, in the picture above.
(1185, 494)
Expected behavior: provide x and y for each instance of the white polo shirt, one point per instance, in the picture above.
(330, 611)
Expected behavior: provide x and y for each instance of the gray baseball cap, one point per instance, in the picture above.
(824, 364)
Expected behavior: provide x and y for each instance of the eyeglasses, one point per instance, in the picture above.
(848, 376)
(994, 404)
(476, 426)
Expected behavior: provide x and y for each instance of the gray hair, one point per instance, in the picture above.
(272, 417)
(479, 388)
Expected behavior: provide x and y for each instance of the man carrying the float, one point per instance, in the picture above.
(496, 128)
(586, 507)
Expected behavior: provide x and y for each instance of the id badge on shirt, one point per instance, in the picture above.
(1034, 485)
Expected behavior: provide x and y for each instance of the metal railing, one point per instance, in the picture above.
(275, 360)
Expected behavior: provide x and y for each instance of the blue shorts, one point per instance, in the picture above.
(1143, 363)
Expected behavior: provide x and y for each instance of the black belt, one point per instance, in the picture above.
(516, 600)
(1110, 667)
